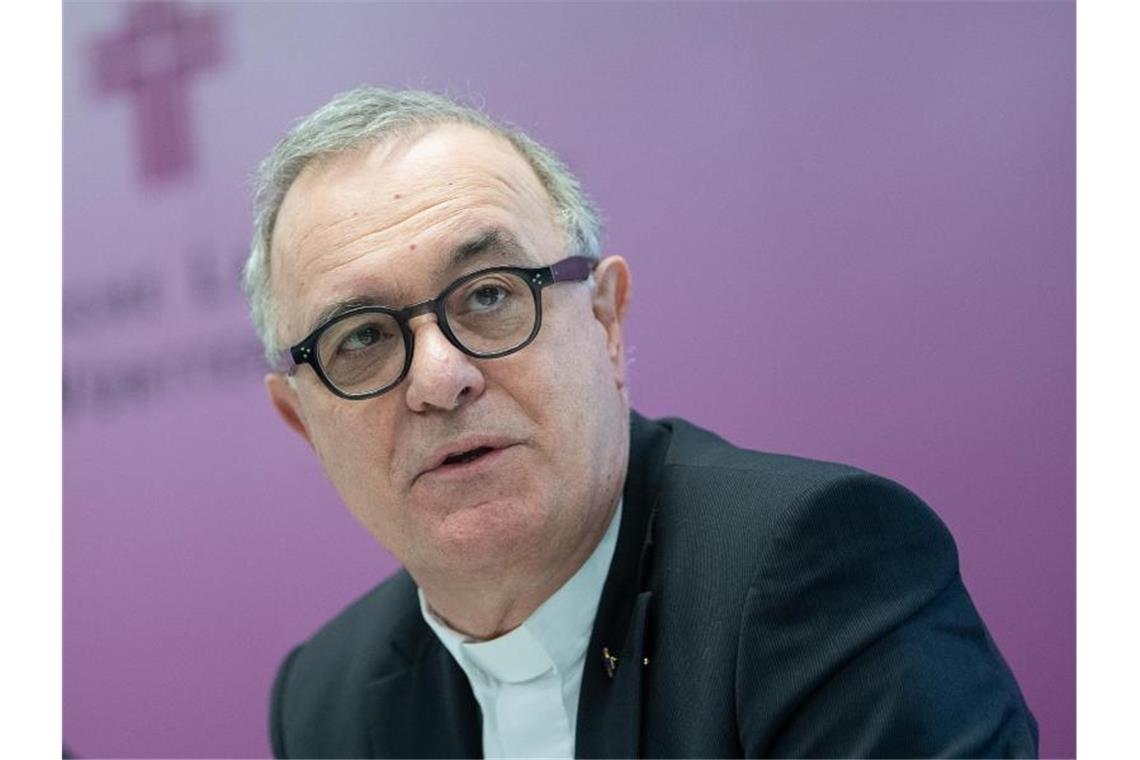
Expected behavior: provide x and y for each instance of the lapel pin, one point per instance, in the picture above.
(610, 661)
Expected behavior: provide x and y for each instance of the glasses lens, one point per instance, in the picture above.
(492, 313)
(362, 353)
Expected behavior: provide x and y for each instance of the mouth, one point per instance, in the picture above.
(465, 460)
(463, 457)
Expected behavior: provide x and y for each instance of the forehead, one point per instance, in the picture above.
(382, 222)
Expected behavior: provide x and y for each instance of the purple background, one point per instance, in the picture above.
(851, 228)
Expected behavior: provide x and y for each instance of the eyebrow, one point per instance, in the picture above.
(493, 242)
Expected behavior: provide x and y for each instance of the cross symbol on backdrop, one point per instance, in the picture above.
(152, 60)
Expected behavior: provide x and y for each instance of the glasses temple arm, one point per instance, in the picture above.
(573, 269)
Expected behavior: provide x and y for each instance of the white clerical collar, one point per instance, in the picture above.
(554, 637)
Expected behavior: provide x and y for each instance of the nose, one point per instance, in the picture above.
(441, 376)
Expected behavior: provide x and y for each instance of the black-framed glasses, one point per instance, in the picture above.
(494, 312)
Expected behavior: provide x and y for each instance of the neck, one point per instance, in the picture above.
(482, 621)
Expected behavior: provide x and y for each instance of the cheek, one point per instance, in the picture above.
(567, 386)
(581, 372)
(553, 379)
(355, 451)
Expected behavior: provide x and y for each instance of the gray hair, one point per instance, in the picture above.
(367, 115)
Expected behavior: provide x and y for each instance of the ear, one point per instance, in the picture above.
(284, 398)
(611, 301)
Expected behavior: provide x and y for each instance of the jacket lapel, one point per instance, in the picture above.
(609, 705)
(424, 706)
(609, 710)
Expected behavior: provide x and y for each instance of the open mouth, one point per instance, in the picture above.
(464, 457)
(468, 462)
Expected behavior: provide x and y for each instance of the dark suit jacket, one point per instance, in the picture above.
(758, 605)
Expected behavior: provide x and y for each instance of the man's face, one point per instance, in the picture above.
(393, 224)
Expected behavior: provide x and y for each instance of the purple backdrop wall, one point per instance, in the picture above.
(870, 206)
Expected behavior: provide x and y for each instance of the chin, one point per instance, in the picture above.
(486, 536)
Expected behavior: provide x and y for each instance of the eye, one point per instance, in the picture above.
(363, 337)
(488, 296)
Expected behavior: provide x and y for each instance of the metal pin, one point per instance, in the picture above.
(610, 661)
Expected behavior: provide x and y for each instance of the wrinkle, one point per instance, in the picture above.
(340, 249)
(342, 243)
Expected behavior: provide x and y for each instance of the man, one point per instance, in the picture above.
(579, 581)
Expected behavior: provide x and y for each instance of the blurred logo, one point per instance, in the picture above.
(152, 59)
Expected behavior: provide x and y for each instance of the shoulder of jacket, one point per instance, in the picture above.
(768, 504)
(693, 446)
(698, 454)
